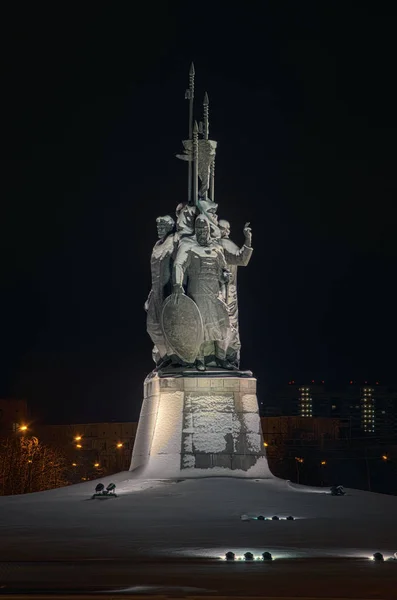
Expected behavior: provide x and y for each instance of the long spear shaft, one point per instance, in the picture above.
(191, 98)
(195, 163)
(206, 116)
(212, 180)
(206, 131)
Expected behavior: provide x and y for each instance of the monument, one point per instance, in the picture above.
(199, 416)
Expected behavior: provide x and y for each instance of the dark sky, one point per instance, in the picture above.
(303, 105)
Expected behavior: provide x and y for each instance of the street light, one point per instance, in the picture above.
(74, 464)
(119, 445)
(298, 459)
(23, 428)
(323, 462)
(265, 444)
(96, 465)
(78, 446)
(77, 438)
(385, 457)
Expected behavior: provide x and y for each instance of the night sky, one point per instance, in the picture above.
(303, 105)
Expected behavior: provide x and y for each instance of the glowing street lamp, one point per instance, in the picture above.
(74, 464)
(265, 444)
(323, 462)
(96, 465)
(78, 446)
(23, 428)
(77, 438)
(385, 457)
(298, 459)
(119, 445)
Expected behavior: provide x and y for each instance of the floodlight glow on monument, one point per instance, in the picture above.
(200, 413)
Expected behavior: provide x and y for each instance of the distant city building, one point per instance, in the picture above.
(106, 445)
(281, 433)
(305, 405)
(13, 415)
(367, 409)
(361, 410)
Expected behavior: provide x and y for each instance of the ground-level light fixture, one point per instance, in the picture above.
(230, 556)
(261, 518)
(275, 518)
(290, 518)
(248, 556)
(378, 557)
(267, 556)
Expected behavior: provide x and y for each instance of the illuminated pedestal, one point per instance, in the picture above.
(199, 426)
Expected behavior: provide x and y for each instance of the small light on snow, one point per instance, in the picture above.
(229, 556)
(267, 556)
(378, 557)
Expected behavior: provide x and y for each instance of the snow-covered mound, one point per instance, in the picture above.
(195, 517)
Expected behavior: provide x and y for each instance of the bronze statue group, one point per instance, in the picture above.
(192, 308)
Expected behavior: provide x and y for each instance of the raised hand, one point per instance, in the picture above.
(248, 234)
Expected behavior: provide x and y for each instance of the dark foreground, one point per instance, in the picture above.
(316, 578)
(164, 538)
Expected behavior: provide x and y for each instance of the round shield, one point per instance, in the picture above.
(182, 326)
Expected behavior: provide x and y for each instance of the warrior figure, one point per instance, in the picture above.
(235, 257)
(200, 261)
(161, 267)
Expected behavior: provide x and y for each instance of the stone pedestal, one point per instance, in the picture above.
(199, 427)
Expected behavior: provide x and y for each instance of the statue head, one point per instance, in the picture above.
(164, 226)
(180, 208)
(224, 226)
(208, 208)
(202, 228)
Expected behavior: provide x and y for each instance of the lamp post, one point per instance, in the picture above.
(298, 460)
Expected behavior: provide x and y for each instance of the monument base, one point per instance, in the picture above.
(200, 426)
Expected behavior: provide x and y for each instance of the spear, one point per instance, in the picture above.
(195, 163)
(190, 96)
(206, 131)
(212, 179)
(206, 116)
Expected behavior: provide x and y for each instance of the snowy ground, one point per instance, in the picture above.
(194, 518)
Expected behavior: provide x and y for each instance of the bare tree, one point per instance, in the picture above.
(26, 465)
